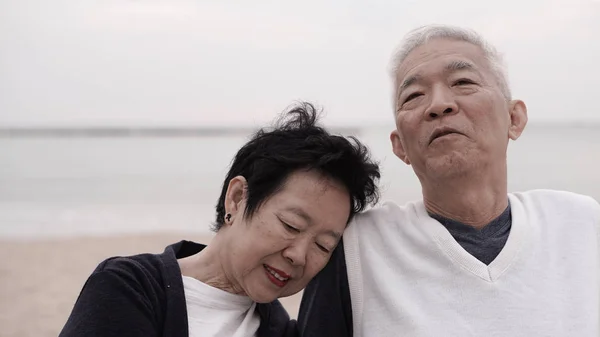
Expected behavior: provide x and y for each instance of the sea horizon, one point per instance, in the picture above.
(140, 130)
(169, 179)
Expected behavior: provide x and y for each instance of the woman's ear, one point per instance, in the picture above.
(235, 198)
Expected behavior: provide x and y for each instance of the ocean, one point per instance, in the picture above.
(115, 184)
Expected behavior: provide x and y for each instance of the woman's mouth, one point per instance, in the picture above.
(277, 277)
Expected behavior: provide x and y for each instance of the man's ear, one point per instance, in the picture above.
(518, 118)
(398, 147)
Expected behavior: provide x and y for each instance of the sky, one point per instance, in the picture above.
(238, 62)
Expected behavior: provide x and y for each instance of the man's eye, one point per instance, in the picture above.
(412, 96)
(463, 81)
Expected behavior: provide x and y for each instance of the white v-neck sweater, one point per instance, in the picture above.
(409, 277)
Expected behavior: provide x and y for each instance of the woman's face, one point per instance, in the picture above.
(288, 240)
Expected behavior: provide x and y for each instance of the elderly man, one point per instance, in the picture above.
(470, 259)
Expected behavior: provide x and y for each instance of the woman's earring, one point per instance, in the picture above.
(228, 217)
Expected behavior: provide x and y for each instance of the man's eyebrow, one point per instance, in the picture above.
(459, 65)
(452, 66)
(408, 82)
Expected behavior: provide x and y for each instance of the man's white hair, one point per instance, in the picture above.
(424, 34)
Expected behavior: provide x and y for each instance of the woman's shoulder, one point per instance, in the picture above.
(132, 278)
(129, 296)
(146, 274)
(150, 265)
(131, 267)
(275, 321)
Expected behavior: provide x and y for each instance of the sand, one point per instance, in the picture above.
(40, 280)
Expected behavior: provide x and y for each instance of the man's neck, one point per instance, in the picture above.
(473, 200)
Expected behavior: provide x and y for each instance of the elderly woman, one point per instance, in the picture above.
(284, 205)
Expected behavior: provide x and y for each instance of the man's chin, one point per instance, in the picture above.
(454, 163)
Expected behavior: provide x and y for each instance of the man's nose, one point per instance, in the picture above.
(442, 103)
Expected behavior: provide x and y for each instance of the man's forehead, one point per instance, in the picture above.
(439, 56)
(449, 67)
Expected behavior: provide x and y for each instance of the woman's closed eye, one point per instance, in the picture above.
(290, 228)
(323, 248)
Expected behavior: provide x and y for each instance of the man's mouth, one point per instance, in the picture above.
(441, 132)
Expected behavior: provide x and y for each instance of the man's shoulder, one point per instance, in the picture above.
(389, 211)
(559, 203)
(557, 198)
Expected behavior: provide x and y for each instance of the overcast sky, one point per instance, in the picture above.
(171, 62)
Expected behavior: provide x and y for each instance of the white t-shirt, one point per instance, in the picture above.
(215, 312)
(409, 277)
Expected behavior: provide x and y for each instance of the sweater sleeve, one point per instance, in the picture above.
(326, 308)
(596, 206)
(111, 303)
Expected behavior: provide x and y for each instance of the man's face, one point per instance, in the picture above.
(451, 116)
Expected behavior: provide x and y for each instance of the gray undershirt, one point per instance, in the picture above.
(485, 243)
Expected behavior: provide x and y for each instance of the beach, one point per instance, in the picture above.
(68, 203)
(40, 279)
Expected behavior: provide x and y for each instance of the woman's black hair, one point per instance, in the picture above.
(298, 143)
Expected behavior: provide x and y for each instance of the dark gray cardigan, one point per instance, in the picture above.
(143, 295)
